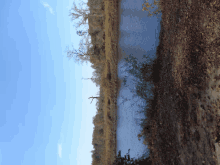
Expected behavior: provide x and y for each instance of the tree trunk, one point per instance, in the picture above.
(93, 98)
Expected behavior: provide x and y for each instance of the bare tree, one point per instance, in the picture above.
(89, 78)
(96, 78)
(85, 45)
(93, 79)
(93, 98)
(78, 55)
(77, 13)
(86, 37)
(85, 13)
(81, 33)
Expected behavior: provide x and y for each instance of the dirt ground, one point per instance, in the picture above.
(183, 121)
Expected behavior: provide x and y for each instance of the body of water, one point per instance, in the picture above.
(139, 35)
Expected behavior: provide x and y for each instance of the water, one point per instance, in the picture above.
(139, 35)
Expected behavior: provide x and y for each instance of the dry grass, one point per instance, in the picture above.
(110, 79)
(183, 115)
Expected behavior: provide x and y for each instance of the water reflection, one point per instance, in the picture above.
(139, 35)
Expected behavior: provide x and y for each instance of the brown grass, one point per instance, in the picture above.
(105, 144)
(111, 79)
(182, 120)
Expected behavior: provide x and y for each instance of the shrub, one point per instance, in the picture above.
(131, 161)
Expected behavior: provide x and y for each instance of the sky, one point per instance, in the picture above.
(45, 116)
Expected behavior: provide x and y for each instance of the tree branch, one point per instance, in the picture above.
(93, 98)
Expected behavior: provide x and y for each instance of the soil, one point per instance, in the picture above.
(183, 120)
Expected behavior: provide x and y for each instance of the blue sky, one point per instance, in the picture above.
(46, 116)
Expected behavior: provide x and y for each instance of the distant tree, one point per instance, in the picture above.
(85, 43)
(93, 98)
(78, 55)
(76, 13)
(95, 80)
(81, 33)
(89, 78)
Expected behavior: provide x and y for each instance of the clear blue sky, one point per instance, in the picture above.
(45, 116)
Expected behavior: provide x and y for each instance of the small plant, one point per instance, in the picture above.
(131, 161)
(157, 3)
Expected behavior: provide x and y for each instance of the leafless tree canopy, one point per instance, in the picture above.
(78, 55)
(76, 13)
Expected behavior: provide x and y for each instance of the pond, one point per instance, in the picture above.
(138, 35)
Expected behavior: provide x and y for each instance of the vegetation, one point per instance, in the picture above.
(101, 53)
(131, 161)
(183, 77)
(147, 6)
